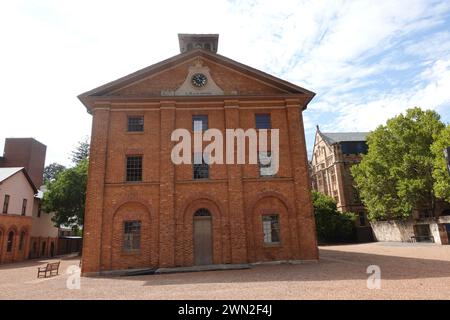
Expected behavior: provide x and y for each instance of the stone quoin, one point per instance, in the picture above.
(145, 211)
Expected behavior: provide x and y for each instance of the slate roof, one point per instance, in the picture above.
(336, 137)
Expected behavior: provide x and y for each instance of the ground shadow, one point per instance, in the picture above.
(35, 262)
(333, 265)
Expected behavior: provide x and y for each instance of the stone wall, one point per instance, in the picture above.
(404, 230)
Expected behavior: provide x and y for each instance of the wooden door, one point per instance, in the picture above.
(202, 240)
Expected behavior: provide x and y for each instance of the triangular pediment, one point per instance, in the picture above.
(196, 73)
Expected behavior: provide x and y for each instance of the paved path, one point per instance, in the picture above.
(408, 272)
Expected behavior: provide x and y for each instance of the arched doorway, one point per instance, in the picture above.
(34, 251)
(22, 242)
(203, 249)
(52, 249)
(43, 249)
(10, 242)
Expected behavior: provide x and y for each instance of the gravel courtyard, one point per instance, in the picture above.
(408, 271)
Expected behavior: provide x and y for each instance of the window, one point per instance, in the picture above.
(200, 118)
(356, 147)
(319, 180)
(6, 204)
(134, 168)
(9, 244)
(132, 235)
(263, 121)
(202, 213)
(362, 219)
(135, 124)
(200, 171)
(265, 164)
(21, 240)
(24, 207)
(333, 178)
(271, 229)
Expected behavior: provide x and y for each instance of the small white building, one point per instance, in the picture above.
(25, 230)
(17, 194)
(44, 234)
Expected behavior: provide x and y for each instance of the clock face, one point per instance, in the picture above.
(199, 80)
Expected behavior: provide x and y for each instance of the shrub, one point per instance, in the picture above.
(332, 225)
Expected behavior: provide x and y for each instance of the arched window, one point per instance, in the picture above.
(10, 241)
(22, 240)
(202, 213)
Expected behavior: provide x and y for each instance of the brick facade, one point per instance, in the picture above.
(43, 247)
(15, 225)
(167, 197)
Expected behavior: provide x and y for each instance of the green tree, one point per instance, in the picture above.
(331, 224)
(52, 170)
(65, 196)
(81, 152)
(395, 176)
(66, 189)
(440, 172)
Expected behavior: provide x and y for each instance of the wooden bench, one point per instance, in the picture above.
(51, 268)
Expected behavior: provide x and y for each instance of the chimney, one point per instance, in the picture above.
(190, 42)
(28, 153)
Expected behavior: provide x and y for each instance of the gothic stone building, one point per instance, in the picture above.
(143, 211)
(334, 154)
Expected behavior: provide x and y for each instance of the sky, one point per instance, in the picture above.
(367, 60)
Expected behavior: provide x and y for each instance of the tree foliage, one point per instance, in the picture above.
(395, 176)
(66, 189)
(440, 171)
(331, 224)
(52, 170)
(81, 152)
(65, 196)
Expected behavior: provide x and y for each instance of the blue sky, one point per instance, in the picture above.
(366, 60)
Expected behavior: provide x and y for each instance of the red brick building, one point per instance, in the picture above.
(16, 194)
(144, 211)
(25, 231)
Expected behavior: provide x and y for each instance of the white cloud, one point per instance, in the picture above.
(54, 50)
(367, 116)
